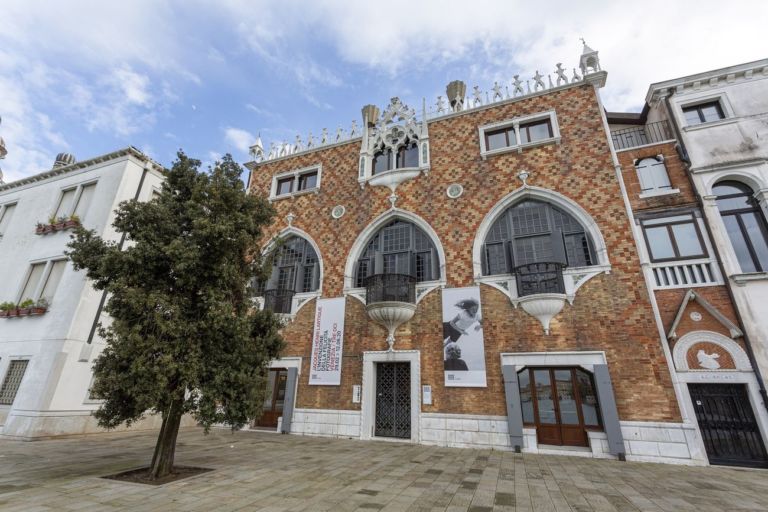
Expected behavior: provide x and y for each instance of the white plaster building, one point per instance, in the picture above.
(46, 354)
(721, 117)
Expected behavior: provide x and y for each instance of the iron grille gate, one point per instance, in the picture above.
(728, 425)
(393, 400)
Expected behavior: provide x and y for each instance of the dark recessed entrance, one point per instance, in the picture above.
(393, 400)
(275, 398)
(561, 403)
(728, 425)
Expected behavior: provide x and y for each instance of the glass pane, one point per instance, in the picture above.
(496, 140)
(286, 278)
(544, 397)
(727, 188)
(411, 156)
(284, 186)
(692, 116)
(495, 258)
(499, 230)
(756, 235)
(271, 377)
(5, 220)
(533, 249)
(739, 244)
(423, 266)
(577, 250)
(32, 282)
(65, 204)
(382, 161)
(569, 415)
(659, 242)
(711, 112)
(308, 181)
(85, 200)
(528, 218)
(687, 240)
(396, 237)
(535, 131)
(526, 399)
(588, 397)
(49, 288)
(733, 203)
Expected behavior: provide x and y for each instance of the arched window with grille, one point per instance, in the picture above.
(745, 224)
(295, 269)
(534, 231)
(406, 156)
(400, 247)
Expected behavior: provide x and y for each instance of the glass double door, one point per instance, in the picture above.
(561, 403)
(274, 398)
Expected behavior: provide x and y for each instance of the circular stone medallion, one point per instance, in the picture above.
(338, 211)
(455, 190)
(695, 316)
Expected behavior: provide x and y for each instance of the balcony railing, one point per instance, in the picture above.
(390, 288)
(677, 274)
(535, 278)
(278, 300)
(641, 135)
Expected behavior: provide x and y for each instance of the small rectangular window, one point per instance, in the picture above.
(498, 139)
(673, 238)
(64, 209)
(703, 113)
(33, 280)
(284, 186)
(308, 181)
(83, 201)
(535, 131)
(12, 382)
(52, 280)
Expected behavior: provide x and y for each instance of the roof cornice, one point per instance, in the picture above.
(129, 151)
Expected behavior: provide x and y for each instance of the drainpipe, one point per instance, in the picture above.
(728, 285)
(637, 236)
(91, 334)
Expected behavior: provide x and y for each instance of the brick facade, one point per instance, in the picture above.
(611, 312)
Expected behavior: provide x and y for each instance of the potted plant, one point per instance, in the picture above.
(72, 222)
(40, 307)
(24, 306)
(50, 226)
(6, 308)
(40, 228)
(60, 223)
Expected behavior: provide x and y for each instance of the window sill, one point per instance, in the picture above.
(747, 277)
(294, 194)
(520, 147)
(393, 177)
(710, 124)
(661, 193)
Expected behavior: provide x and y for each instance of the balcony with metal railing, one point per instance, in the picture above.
(536, 278)
(390, 301)
(278, 300)
(651, 133)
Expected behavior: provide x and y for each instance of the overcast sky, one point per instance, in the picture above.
(89, 77)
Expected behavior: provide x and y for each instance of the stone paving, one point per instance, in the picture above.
(271, 472)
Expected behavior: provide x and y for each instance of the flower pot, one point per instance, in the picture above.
(37, 310)
(48, 229)
(23, 311)
(13, 312)
(71, 224)
(39, 230)
(59, 226)
(3, 314)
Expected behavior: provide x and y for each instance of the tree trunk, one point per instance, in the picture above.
(165, 449)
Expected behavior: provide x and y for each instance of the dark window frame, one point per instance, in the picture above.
(280, 181)
(396, 158)
(699, 109)
(302, 180)
(754, 209)
(671, 234)
(496, 131)
(526, 127)
(309, 261)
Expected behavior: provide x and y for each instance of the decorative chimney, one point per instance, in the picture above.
(64, 159)
(370, 115)
(456, 91)
(589, 62)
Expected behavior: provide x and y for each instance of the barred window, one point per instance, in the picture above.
(400, 247)
(12, 381)
(535, 232)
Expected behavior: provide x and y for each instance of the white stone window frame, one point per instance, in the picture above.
(361, 243)
(655, 192)
(707, 97)
(516, 122)
(296, 173)
(49, 262)
(3, 211)
(75, 201)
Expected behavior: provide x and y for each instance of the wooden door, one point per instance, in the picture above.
(557, 407)
(275, 398)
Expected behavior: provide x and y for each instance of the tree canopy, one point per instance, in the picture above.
(184, 337)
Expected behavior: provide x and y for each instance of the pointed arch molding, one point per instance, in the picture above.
(371, 229)
(574, 277)
(684, 344)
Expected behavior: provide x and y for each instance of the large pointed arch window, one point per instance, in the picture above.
(745, 224)
(535, 232)
(400, 247)
(295, 269)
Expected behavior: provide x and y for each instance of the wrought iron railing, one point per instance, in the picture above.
(390, 288)
(278, 300)
(536, 278)
(641, 135)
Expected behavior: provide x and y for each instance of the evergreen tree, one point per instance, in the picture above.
(184, 338)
